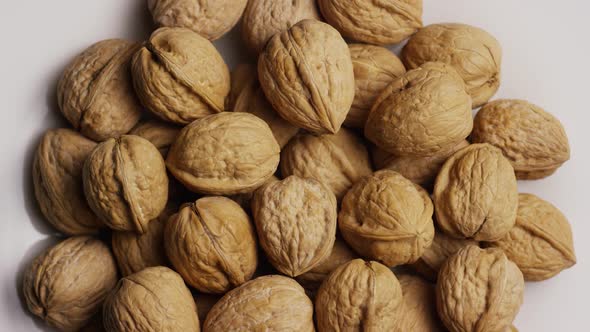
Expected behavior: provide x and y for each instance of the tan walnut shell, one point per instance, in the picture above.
(419, 306)
(473, 52)
(95, 92)
(533, 140)
(224, 154)
(374, 22)
(359, 296)
(307, 75)
(212, 244)
(265, 18)
(479, 290)
(338, 160)
(125, 183)
(386, 217)
(475, 194)
(296, 223)
(422, 112)
(159, 133)
(209, 18)
(541, 243)
(269, 303)
(155, 299)
(66, 285)
(179, 76)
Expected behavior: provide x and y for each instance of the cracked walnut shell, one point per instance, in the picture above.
(419, 306)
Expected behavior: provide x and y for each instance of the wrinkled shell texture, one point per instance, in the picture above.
(296, 223)
(541, 243)
(160, 134)
(307, 75)
(95, 92)
(374, 22)
(359, 296)
(473, 52)
(533, 140)
(209, 18)
(125, 183)
(338, 160)
(180, 76)
(479, 290)
(419, 308)
(476, 195)
(387, 218)
(155, 299)
(224, 154)
(265, 18)
(67, 284)
(212, 244)
(422, 112)
(269, 303)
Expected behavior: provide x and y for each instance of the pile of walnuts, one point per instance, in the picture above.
(279, 197)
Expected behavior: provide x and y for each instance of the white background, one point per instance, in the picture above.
(546, 60)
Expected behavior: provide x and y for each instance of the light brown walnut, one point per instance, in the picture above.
(159, 133)
(419, 306)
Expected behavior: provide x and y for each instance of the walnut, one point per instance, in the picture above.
(160, 134)
(245, 199)
(307, 75)
(419, 306)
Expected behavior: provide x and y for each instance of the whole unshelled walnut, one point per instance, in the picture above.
(422, 112)
(386, 217)
(212, 244)
(159, 133)
(179, 76)
(307, 75)
(66, 285)
(95, 93)
(419, 306)
(155, 299)
(125, 183)
(473, 52)
(533, 140)
(479, 290)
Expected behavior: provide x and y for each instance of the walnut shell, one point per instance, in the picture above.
(374, 22)
(475, 194)
(66, 285)
(479, 290)
(419, 306)
(359, 296)
(296, 223)
(269, 303)
(155, 299)
(541, 243)
(307, 75)
(533, 140)
(160, 134)
(125, 183)
(95, 93)
(386, 217)
(179, 76)
(224, 154)
(212, 244)
(245, 199)
(422, 112)
(338, 160)
(473, 52)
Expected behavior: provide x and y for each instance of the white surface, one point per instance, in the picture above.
(545, 60)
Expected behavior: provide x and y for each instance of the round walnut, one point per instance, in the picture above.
(160, 134)
(374, 22)
(359, 296)
(533, 140)
(155, 299)
(95, 93)
(388, 218)
(125, 183)
(421, 113)
(212, 244)
(269, 303)
(476, 195)
(296, 223)
(474, 53)
(179, 76)
(479, 290)
(541, 243)
(224, 154)
(307, 75)
(419, 306)
(66, 285)
(338, 160)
